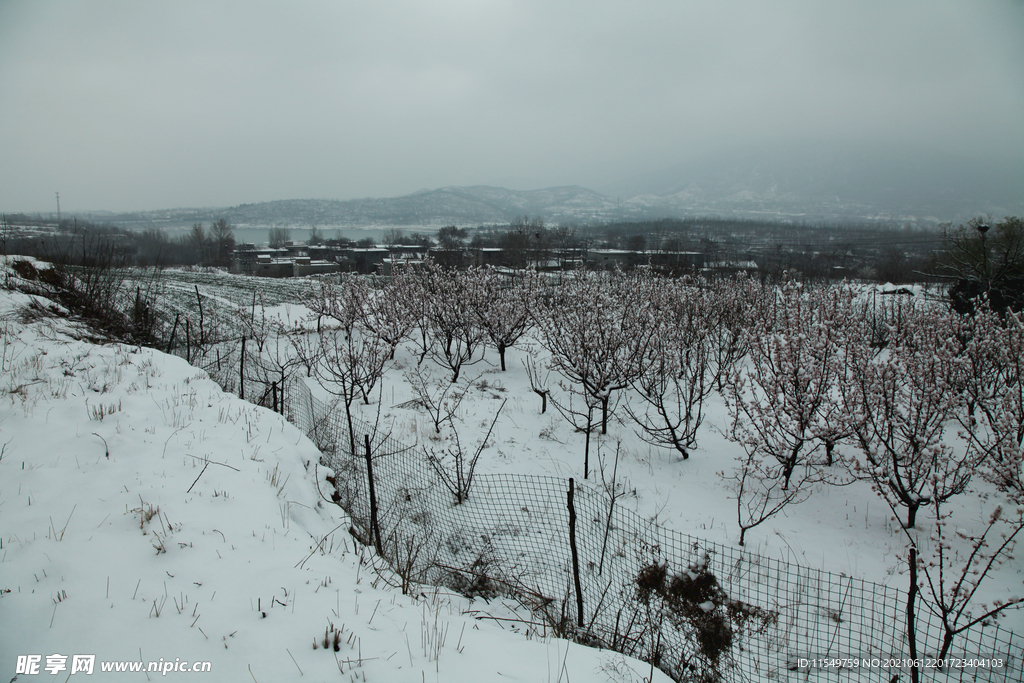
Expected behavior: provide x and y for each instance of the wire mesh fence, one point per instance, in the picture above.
(697, 610)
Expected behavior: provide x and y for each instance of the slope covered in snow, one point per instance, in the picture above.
(148, 517)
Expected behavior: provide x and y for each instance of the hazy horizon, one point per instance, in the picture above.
(124, 106)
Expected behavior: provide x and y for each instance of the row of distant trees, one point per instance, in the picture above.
(823, 252)
(73, 240)
(975, 256)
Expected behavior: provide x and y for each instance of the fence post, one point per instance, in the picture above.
(575, 557)
(241, 371)
(170, 344)
(374, 526)
(202, 336)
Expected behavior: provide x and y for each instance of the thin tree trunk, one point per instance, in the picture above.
(586, 445)
(351, 435)
(912, 514)
(915, 674)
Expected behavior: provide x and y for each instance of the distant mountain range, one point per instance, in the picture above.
(809, 184)
(815, 182)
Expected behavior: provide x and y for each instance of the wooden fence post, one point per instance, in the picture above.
(374, 526)
(170, 344)
(575, 557)
(241, 371)
(202, 335)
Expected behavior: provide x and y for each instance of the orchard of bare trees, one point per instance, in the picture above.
(824, 386)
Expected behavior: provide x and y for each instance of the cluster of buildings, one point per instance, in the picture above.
(296, 259)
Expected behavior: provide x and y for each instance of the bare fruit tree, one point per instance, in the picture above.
(759, 492)
(456, 467)
(952, 564)
(456, 335)
(783, 398)
(677, 376)
(780, 399)
(899, 404)
(440, 399)
(271, 354)
(994, 415)
(737, 303)
(598, 330)
(350, 359)
(387, 312)
(501, 304)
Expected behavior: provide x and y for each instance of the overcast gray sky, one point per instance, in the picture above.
(147, 105)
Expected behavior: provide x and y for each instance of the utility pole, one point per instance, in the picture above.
(58, 209)
(983, 228)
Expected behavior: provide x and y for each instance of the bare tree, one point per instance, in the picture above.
(223, 240)
(501, 305)
(781, 399)
(539, 380)
(597, 328)
(271, 354)
(455, 467)
(456, 335)
(949, 575)
(565, 243)
(993, 416)
(198, 243)
(278, 237)
(578, 408)
(393, 236)
(736, 304)
(316, 236)
(525, 242)
(388, 312)
(350, 359)
(676, 377)
(986, 262)
(757, 485)
(441, 400)
(898, 405)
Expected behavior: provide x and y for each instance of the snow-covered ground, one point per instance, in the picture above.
(146, 516)
(845, 530)
(168, 547)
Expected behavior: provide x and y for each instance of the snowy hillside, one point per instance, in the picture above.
(146, 516)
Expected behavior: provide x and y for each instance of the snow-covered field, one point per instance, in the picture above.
(141, 509)
(146, 516)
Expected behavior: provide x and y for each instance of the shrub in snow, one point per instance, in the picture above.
(693, 602)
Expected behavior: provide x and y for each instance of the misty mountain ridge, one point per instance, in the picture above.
(802, 184)
(829, 182)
